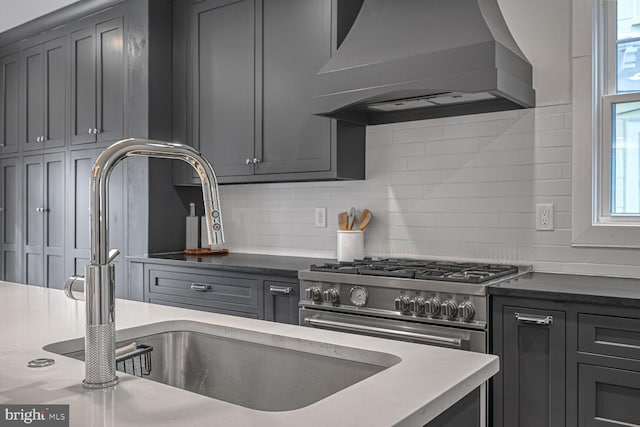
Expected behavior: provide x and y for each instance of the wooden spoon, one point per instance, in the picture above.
(342, 220)
(351, 218)
(365, 219)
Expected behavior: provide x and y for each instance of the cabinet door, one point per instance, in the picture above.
(9, 104)
(79, 222)
(33, 95)
(11, 257)
(296, 43)
(608, 397)
(55, 90)
(33, 220)
(281, 301)
(533, 368)
(222, 83)
(54, 220)
(110, 80)
(83, 86)
(79, 227)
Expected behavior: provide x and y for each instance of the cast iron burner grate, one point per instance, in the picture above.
(464, 272)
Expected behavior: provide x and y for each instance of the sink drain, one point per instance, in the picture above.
(40, 363)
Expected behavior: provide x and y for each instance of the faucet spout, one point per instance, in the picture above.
(99, 281)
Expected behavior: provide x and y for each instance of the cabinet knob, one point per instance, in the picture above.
(90, 131)
(256, 160)
(96, 131)
(248, 161)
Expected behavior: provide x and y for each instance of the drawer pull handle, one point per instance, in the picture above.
(534, 319)
(280, 290)
(200, 288)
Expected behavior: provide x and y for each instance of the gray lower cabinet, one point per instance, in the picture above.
(529, 391)
(565, 364)
(608, 397)
(247, 93)
(10, 230)
(251, 295)
(9, 103)
(44, 83)
(281, 301)
(98, 81)
(44, 220)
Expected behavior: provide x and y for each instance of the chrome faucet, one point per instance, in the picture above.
(97, 287)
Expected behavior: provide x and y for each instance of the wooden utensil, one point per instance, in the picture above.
(343, 220)
(365, 219)
(352, 218)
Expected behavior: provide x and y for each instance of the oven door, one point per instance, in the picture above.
(442, 336)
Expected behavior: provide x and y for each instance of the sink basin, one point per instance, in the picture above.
(251, 369)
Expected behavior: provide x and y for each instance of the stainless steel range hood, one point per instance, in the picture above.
(417, 59)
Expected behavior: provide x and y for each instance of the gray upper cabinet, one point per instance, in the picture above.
(249, 88)
(9, 103)
(98, 83)
(10, 235)
(44, 82)
(44, 220)
(223, 83)
(295, 41)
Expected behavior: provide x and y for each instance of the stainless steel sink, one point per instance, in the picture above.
(255, 370)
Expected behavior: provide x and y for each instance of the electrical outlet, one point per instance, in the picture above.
(321, 218)
(544, 216)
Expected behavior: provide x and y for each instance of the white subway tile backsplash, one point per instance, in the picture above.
(452, 188)
(471, 130)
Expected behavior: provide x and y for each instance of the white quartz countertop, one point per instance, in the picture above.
(412, 392)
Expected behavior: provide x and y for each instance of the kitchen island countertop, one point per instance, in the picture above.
(412, 392)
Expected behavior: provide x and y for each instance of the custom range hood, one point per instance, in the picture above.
(417, 59)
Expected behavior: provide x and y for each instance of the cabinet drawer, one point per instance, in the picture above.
(170, 303)
(608, 335)
(222, 291)
(608, 397)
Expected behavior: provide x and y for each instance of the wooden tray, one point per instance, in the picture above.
(204, 251)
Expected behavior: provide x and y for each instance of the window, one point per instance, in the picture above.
(620, 165)
(606, 137)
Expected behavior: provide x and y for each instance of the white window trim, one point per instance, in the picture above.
(588, 226)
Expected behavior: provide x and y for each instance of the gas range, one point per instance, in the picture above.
(426, 291)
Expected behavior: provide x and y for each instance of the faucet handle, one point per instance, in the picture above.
(74, 288)
(113, 253)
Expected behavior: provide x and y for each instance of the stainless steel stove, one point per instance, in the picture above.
(430, 302)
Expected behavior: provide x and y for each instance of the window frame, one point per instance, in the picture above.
(592, 221)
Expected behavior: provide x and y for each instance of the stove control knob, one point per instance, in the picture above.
(416, 306)
(466, 310)
(313, 294)
(449, 309)
(330, 295)
(432, 307)
(402, 304)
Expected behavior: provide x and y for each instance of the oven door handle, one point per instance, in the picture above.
(390, 333)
